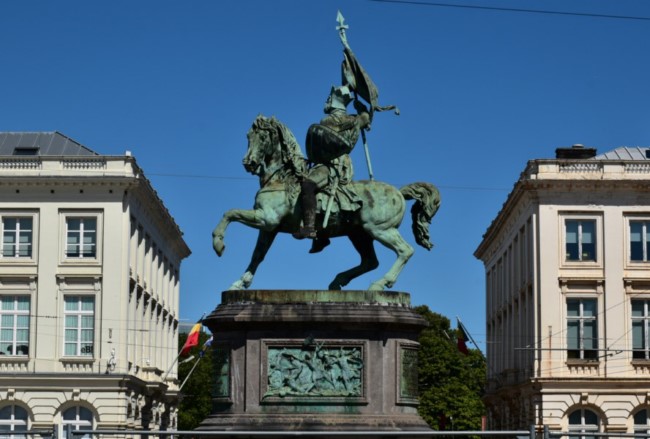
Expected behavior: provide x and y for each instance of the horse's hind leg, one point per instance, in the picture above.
(392, 239)
(264, 241)
(363, 243)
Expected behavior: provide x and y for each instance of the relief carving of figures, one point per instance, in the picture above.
(315, 372)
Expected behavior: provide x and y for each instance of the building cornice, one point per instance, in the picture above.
(566, 175)
(121, 172)
(149, 199)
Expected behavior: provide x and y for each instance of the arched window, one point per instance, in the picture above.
(12, 418)
(80, 418)
(583, 421)
(641, 421)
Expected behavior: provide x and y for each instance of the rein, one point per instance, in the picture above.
(264, 181)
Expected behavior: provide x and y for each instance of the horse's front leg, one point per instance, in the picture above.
(264, 241)
(252, 218)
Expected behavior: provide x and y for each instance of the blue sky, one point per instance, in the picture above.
(481, 92)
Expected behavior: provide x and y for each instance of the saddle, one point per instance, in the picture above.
(344, 201)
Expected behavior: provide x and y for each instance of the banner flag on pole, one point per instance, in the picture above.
(192, 338)
(463, 337)
(205, 347)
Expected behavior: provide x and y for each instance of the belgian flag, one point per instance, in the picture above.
(192, 338)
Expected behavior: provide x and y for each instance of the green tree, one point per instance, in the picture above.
(450, 382)
(196, 394)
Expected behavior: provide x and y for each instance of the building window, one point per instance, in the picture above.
(16, 237)
(580, 240)
(80, 418)
(582, 329)
(81, 236)
(641, 424)
(79, 325)
(583, 421)
(640, 329)
(12, 419)
(639, 241)
(14, 325)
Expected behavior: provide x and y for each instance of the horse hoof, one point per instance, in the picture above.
(239, 285)
(377, 286)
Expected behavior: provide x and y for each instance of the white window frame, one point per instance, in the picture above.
(12, 423)
(77, 423)
(583, 430)
(596, 217)
(81, 346)
(582, 319)
(87, 229)
(14, 328)
(645, 237)
(641, 428)
(16, 258)
(19, 231)
(66, 216)
(644, 320)
(645, 248)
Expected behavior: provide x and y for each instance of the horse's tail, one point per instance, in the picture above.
(427, 202)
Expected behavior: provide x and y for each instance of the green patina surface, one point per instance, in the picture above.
(221, 360)
(315, 296)
(409, 373)
(319, 371)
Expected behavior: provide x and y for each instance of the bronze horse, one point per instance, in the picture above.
(275, 156)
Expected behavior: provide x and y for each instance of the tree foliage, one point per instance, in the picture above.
(450, 382)
(196, 394)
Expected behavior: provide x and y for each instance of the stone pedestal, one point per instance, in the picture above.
(315, 360)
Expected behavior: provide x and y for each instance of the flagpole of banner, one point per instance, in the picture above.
(344, 40)
(177, 357)
(206, 345)
(190, 373)
(470, 336)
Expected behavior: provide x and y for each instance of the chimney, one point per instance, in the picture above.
(577, 151)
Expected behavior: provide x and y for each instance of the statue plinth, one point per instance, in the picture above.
(315, 360)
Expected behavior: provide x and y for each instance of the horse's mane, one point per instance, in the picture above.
(291, 154)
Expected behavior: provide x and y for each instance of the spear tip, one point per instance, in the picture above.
(341, 21)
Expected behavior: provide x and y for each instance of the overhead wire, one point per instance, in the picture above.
(504, 9)
(216, 177)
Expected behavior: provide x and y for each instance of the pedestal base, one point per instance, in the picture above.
(295, 360)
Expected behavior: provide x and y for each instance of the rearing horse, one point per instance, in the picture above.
(275, 156)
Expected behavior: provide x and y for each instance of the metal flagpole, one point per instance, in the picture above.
(344, 40)
(171, 367)
(178, 356)
(365, 148)
(190, 373)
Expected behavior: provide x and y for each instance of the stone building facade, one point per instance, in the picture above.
(567, 263)
(89, 290)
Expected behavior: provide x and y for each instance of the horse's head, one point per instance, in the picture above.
(262, 146)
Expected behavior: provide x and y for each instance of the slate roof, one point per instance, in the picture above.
(625, 153)
(41, 143)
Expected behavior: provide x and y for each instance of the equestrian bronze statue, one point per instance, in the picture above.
(275, 156)
(317, 198)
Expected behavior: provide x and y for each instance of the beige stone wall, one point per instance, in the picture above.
(133, 279)
(527, 290)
